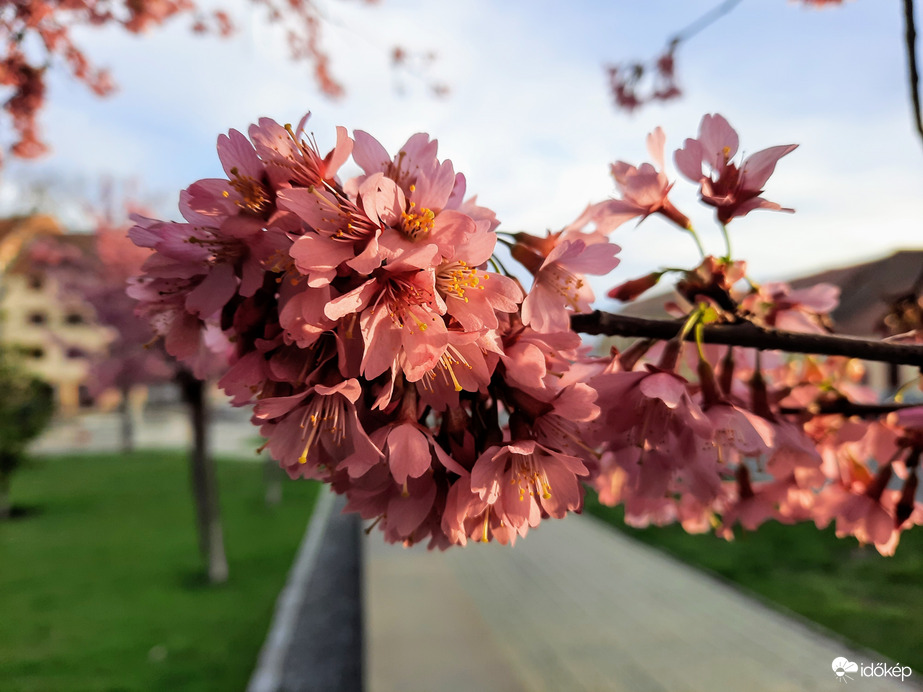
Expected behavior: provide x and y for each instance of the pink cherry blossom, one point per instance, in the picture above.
(560, 284)
(525, 479)
(802, 310)
(734, 191)
(644, 191)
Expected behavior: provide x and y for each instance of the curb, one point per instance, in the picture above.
(267, 677)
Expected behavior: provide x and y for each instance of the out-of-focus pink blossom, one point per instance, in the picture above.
(797, 310)
(733, 190)
(644, 191)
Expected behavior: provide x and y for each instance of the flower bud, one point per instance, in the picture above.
(632, 289)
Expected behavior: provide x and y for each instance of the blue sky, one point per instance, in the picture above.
(529, 120)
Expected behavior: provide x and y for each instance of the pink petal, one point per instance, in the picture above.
(267, 409)
(369, 154)
(405, 514)
(688, 160)
(409, 453)
(316, 254)
(758, 167)
(348, 388)
(486, 473)
(214, 292)
(351, 302)
(382, 342)
(655, 144)
(340, 153)
(664, 386)
(719, 140)
(236, 151)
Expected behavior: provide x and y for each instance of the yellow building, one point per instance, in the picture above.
(56, 333)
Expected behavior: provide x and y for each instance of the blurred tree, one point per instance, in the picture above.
(136, 358)
(25, 409)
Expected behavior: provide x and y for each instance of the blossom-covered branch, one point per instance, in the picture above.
(389, 353)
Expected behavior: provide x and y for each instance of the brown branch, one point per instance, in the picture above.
(749, 335)
(910, 39)
(847, 408)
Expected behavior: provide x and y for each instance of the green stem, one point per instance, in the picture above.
(700, 340)
(727, 242)
(694, 319)
(698, 242)
(498, 265)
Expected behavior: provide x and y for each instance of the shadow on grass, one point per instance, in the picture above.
(20, 512)
(195, 580)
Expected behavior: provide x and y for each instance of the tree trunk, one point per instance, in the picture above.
(204, 481)
(127, 421)
(6, 507)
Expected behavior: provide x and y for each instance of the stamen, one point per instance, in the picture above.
(417, 225)
(565, 284)
(253, 194)
(457, 278)
(529, 479)
(321, 411)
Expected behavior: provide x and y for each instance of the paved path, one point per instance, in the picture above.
(165, 427)
(578, 607)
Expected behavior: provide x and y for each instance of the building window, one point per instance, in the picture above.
(84, 398)
(37, 352)
(74, 318)
(37, 318)
(73, 353)
(36, 282)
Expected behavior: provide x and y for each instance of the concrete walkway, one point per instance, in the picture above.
(579, 607)
(164, 427)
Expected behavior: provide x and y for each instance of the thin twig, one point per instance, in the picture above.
(706, 20)
(910, 38)
(844, 407)
(750, 335)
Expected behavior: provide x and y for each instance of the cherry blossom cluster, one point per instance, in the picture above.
(719, 436)
(388, 352)
(637, 84)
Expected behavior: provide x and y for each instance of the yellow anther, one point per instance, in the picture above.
(418, 224)
(253, 196)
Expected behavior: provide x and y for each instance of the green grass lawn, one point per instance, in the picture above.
(101, 585)
(875, 601)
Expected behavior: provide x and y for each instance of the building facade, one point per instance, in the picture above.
(55, 333)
